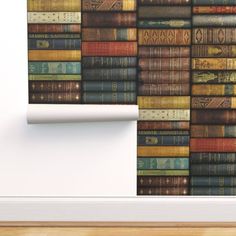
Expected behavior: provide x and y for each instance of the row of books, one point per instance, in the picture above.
(213, 136)
(54, 43)
(164, 98)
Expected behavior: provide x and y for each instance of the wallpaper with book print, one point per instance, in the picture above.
(176, 59)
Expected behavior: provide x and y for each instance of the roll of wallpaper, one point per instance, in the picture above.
(39, 114)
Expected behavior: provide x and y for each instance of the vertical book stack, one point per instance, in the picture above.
(109, 51)
(54, 44)
(213, 130)
(164, 96)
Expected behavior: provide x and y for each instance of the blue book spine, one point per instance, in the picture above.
(73, 44)
(54, 68)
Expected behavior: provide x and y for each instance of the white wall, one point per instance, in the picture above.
(54, 160)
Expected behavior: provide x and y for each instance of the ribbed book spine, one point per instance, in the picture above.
(54, 28)
(163, 172)
(213, 158)
(214, 10)
(165, 24)
(163, 140)
(54, 36)
(224, 191)
(163, 191)
(164, 125)
(213, 181)
(43, 77)
(163, 2)
(214, 90)
(214, 2)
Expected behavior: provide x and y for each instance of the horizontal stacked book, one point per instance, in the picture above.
(54, 44)
(213, 136)
(164, 97)
(109, 51)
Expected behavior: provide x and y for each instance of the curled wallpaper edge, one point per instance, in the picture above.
(42, 114)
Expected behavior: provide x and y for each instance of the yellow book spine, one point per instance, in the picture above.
(54, 77)
(165, 102)
(54, 55)
(54, 17)
(161, 151)
(129, 5)
(52, 5)
(216, 89)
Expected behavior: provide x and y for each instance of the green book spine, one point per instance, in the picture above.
(156, 132)
(163, 172)
(54, 67)
(163, 163)
(109, 98)
(213, 158)
(213, 191)
(215, 181)
(54, 36)
(164, 24)
(54, 77)
(109, 86)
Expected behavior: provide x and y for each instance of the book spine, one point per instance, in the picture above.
(114, 34)
(54, 55)
(213, 191)
(214, 2)
(164, 77)
(213, 131)
(108, 19)
(213, 169)
(163, 140)
(112, 98)
(163, 191)
(213, 117)
(54, 28)
(164, 125)
(214, 20)
(175, 37)
(215, 181)
(162, 52)
(163, 172)
(53, 36)
(164, 89)
(214, 35)
(163, 2)
(164, 24)
(52, 17)
(41, 77)
(213, 102)
(59, 5)
(54, 68)
(109, 5)
(54, 86)
(213, 51)
(175, 151)
(109, 48)
(177, 12)
(109, 62)
(174, 64)
(226, 77)
(170, 102)
(110, 86)
(213, 145)
(214, 90)
(54, 44)
(55, 98)
(110, 74)
(160, 181)
(162, 133)
(214, 10)
(212, 158)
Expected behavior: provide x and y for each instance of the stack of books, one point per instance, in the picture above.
(213, 130)
(164, 97)
(109, 51)
(54, 54)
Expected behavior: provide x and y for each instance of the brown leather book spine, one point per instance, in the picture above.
(163, 125)
(207, 131)
(54, 28)
(107, 19)
(161, 181)
(164, 64)
(54, 86)
(162, 52)
(54, 98)
(164, 77)
(163, 191)
(164, 89)
(213, 116)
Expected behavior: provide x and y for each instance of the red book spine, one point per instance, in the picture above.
(213, 145)
(163, 125)
(215, 10)
(109, 48)
(54, 28)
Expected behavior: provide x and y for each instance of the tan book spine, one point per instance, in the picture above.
(54, 55)
(164, 114)
(166, 102)
(215, 89)
(52, 5)
(161, 151)
(54, 17)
